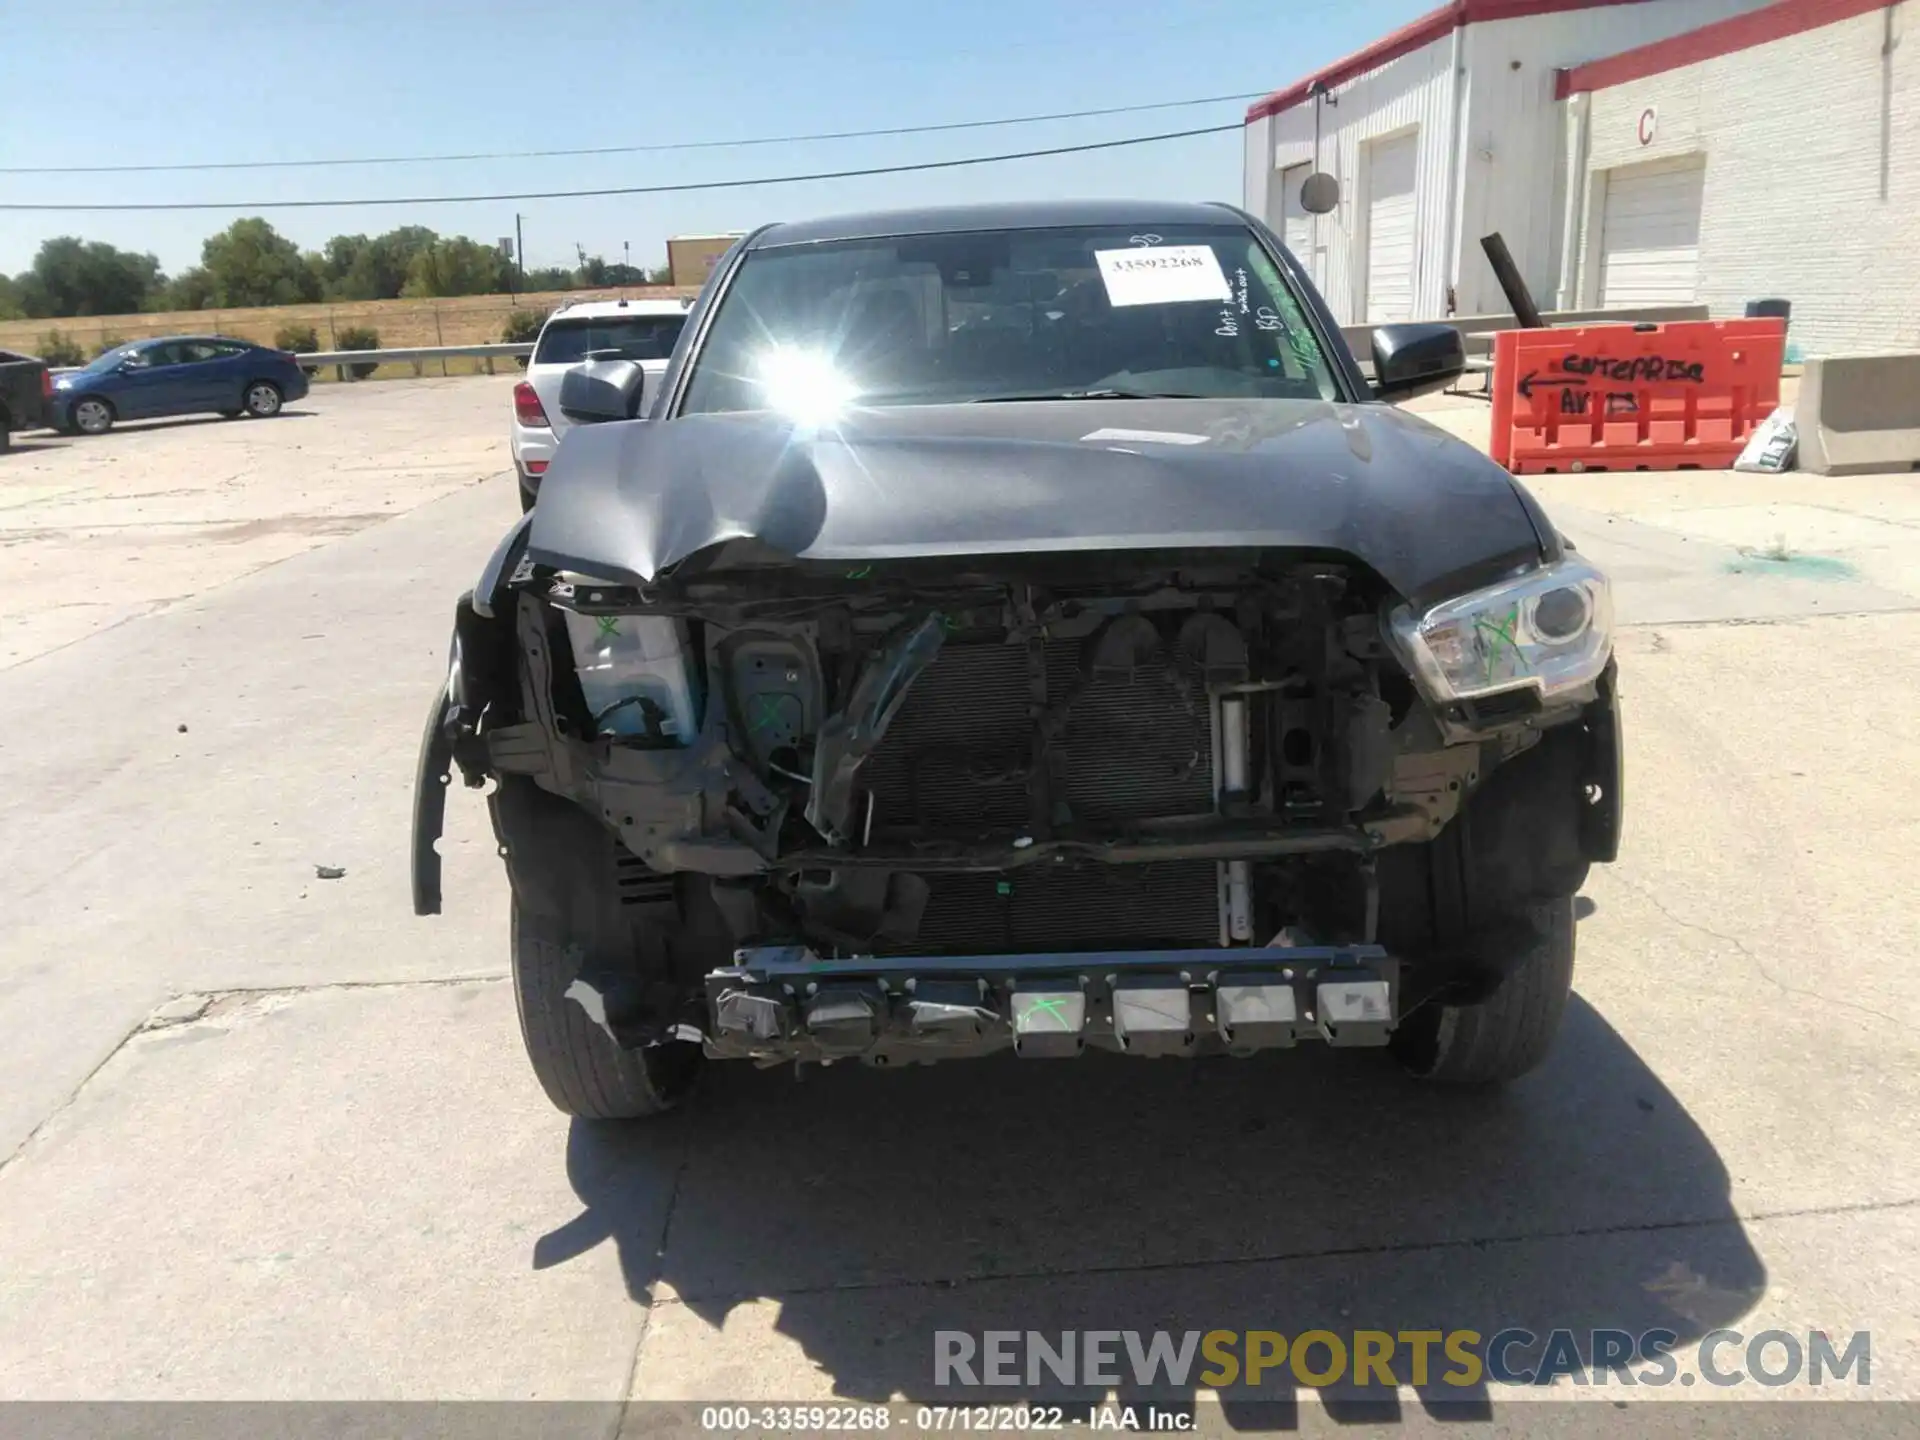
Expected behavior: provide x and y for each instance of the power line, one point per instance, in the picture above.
(895, 130)
(862, 173)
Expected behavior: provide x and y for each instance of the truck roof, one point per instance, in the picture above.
(1011, 215)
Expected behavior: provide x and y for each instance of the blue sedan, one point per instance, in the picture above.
(180, 375)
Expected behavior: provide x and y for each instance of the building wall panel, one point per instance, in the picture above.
(1413, 92)
(1510, 171)
(1514, 168)
(1812, 187)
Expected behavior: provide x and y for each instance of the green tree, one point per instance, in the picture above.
(189, 290)
(251, 263)
(523, 326)
(592, 273)
(335, 265)
(70, 276)
(359, 337)
(455, 266)
(548, 277)
(58, 349)
(356, 267)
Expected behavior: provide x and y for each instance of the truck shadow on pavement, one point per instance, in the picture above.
(1289, 1192)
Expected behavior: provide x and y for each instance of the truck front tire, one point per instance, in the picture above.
(578, 1064)
(568, 920)
(1510, 1032)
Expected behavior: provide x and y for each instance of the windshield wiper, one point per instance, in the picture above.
(1086, 395)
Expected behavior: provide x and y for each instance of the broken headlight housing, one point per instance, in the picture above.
(1550, 630)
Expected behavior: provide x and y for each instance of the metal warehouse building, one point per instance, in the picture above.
(1631, 152)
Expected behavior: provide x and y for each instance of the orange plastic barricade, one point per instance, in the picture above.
(1681, 396)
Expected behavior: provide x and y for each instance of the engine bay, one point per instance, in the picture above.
(1069, 753)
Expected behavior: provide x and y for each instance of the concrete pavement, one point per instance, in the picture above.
(97, 529)
(327, 1174)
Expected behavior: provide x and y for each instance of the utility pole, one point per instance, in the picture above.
(519, 250)
(626, 265)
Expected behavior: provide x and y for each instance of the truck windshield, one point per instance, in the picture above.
(1078, 313)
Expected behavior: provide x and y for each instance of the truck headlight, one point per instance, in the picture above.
(1550, 630)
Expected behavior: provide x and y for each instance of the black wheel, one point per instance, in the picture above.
(567, 917)
(231, 414)
(527, 498)
(575, 1060)
(6, 434)
(1509, 1032)
(1485, 911)
(91, 415)
(263, 399)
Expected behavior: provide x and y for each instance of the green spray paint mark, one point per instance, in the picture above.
(609, 626)
(1046, 1005)
(1004, 887)
(766, 711)
(1501, 634)
(861, 573)
(1778, 560)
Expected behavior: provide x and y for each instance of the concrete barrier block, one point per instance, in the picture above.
(1859, 413)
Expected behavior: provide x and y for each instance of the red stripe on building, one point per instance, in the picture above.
(1723, 37)
(1411, 37)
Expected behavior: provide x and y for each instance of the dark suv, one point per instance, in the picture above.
(1024, 626)
(26, 386)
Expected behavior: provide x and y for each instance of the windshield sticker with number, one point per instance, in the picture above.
(1162, 275)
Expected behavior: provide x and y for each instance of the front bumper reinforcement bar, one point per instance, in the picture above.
(786, 1003)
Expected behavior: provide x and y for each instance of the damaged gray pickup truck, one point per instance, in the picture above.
(1026, 627)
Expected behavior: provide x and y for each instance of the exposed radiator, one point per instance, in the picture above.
(1169, 904)
(958, 759)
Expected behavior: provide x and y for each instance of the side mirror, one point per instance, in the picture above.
(1411, 360)
(602, 390)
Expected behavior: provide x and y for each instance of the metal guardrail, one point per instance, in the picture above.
(417, 355)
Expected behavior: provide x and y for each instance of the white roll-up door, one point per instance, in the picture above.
(1650, 235)
(1390, 227)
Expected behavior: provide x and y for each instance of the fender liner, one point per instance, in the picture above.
(431, 779)
(478, 685)
(1604, 770)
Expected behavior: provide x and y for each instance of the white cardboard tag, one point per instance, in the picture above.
(1161, 275)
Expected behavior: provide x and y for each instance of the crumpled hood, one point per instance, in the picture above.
(625, 501)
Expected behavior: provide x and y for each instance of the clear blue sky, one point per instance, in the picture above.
(106, 81)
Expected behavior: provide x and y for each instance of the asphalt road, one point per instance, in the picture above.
(269, 1136)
